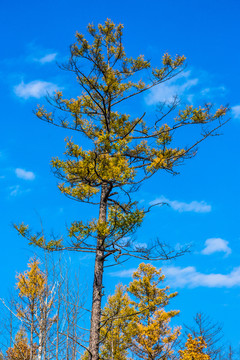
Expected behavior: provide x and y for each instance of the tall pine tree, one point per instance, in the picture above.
(124, 150)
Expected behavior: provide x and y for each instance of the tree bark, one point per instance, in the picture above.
(97, 282)
(31, 332)
(40, 347)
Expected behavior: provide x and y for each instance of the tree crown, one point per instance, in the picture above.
(125, 150)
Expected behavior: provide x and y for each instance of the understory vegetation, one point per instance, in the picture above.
(44, 320)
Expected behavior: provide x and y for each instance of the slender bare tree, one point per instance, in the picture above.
(210, 331)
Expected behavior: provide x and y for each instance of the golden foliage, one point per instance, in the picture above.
(135, 320)
(194, 349)
(153, 338)
(117, 329)
(124, 150)
(21, 349)
(31, 283)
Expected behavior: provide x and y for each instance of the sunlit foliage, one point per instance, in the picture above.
(194, 349)
(135, 319)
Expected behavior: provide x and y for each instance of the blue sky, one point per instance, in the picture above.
(204, 199)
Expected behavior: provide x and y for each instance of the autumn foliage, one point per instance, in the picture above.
(21, 349)
(135, 318)
(194, 349)
(31, 283)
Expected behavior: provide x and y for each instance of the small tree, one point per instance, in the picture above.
(153, 338)
(31, 286)
(117, 327)
(135, 319)
(21, 349)
(35, 308)
(209, 331)
(124, 151)
(194, 349)
(49, 306)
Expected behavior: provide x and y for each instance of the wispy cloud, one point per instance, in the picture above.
(166, 92)
(47, 58)
(35, 89)
(16, 190)
(236, 111)
(214, 91)
(123, 273)
(139, 245)
(214, 245)
(190, 277)
(189, 86)
(193, 206)
(23, 174)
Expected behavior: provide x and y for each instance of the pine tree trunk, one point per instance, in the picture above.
(97, 283)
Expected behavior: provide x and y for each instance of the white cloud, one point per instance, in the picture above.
(215, 245)
(167, 91)
(184, 87)
(47, 58)
(213, 91)
(190, 277)
(123, 273)
(142, 245)
(36, 89)
(193, 206)
(14, 190)
(236, 111)
(23, 174)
